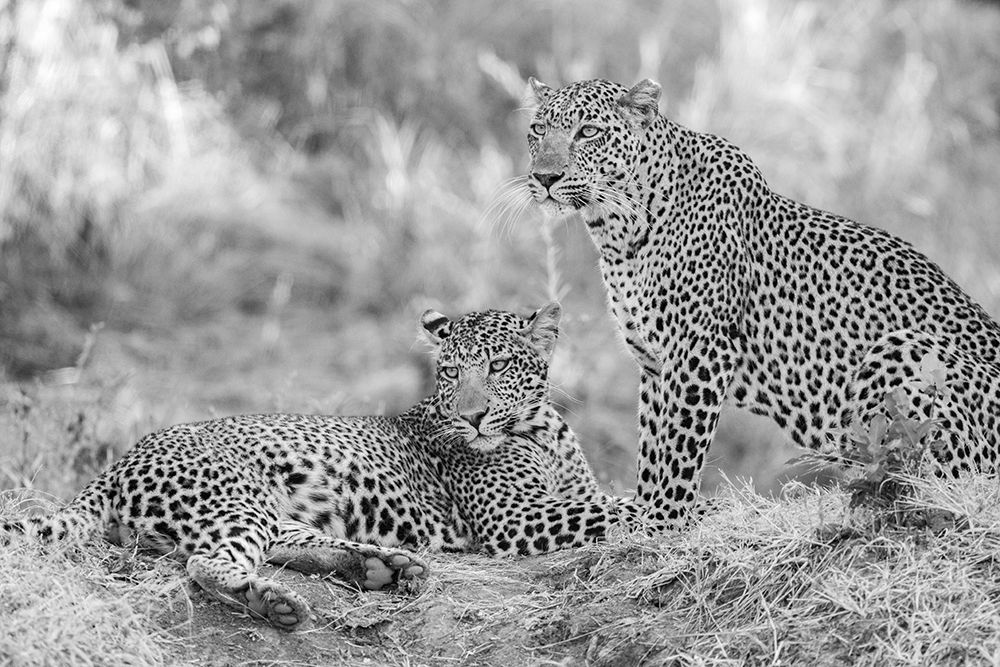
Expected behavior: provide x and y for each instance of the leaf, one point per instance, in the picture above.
(896, 402)
(877, 429)
(812, 459)
(932, 371)
(925, 428)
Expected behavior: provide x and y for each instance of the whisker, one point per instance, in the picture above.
(515, 199)
(514, 215)
(635, 211)
(616, 203)
(504, 196)
(624, 196)
(568, 410)
(447, 431)
(563, 392)
(511, 183)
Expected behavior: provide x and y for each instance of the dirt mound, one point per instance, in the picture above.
(473, 610)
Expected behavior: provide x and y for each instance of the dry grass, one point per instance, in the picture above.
(89, 606)
(803, 581)
(799, 579)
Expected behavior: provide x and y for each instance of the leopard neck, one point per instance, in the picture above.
(637, 204)
(673, 160)
(421, 423)
(424, 423)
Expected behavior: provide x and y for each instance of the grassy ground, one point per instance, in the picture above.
(800, 579)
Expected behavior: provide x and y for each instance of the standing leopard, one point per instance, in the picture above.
(485, 461)
(725, 291)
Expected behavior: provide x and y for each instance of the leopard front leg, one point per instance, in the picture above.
(370, 566)
(547, 523)
(679, 411)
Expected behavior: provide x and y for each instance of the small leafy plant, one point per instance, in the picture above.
(884, 457)
(888, 452)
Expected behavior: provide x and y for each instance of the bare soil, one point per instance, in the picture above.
(513, 614)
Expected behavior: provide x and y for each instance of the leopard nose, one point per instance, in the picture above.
(547, 180)
(475, 418)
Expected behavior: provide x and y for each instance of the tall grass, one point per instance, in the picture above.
(174, 171)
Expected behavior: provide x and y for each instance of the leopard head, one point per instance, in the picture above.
(492, 372)
(583, 139)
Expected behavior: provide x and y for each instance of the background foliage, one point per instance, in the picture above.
(256, 200)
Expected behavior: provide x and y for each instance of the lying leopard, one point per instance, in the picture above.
(725, 291)
(484, 461)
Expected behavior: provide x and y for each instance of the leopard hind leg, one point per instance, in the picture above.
(966, 411)
(228, 573)
(372, 567)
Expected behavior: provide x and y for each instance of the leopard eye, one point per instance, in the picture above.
(450, 372)
(588, 132)
(539, 129)
(498, 365)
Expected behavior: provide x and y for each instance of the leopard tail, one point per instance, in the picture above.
(88, 514)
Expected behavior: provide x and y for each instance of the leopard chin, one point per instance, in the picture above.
(555, 210)
(485, 443)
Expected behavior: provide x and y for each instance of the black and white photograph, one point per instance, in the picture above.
(469, 333)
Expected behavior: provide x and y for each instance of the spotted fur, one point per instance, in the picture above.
(484, 461)
(724, 290)
(521, 480)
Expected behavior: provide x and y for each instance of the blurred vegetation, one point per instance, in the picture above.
(258, 199)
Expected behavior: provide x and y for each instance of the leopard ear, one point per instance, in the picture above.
(537, 93)
(542, 328)
(436, 327)
(640, 106)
